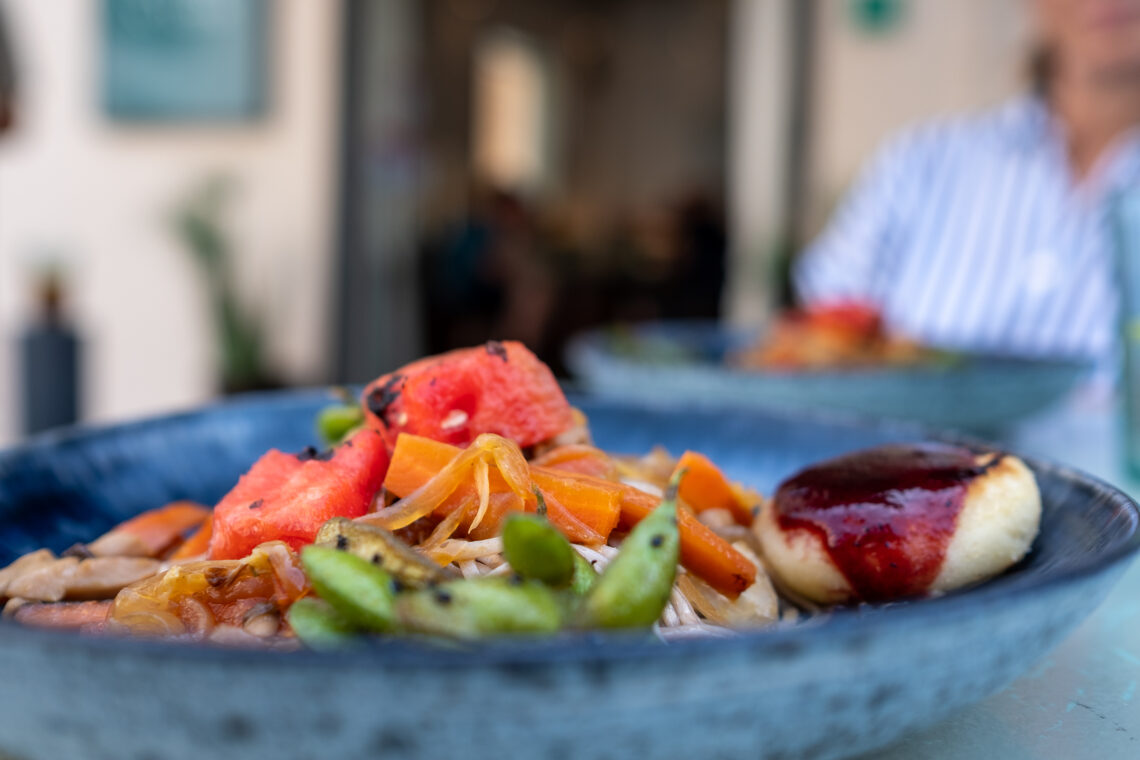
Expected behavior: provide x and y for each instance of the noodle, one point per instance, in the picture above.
(685, 612)
(454, 549)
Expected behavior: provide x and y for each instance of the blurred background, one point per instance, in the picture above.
(206, 196)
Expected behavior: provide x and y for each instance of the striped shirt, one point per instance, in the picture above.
(973, 234)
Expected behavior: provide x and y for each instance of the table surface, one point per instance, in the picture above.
(1083, 700)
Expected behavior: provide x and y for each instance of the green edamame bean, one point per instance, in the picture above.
(634, 589)
(334, 423)
(585, 576)
(318, 626)
(357, 590)
(537, 551)
(478, 607)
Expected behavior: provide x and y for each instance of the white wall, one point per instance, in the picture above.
(945, 57)
(759, 98)
(100, 192)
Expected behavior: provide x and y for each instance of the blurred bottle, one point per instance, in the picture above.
(49, 361)
(1126, 224)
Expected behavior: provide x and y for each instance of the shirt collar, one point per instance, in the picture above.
(1026, 120)
(1122, 168)
(1029, 123)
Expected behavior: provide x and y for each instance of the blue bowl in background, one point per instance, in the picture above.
(828, 687)
(684, 362)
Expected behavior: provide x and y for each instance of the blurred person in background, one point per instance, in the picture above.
(991, 233)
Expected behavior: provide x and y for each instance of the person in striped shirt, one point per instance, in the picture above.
(992, 233)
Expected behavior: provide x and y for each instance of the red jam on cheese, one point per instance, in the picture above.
(886, 515)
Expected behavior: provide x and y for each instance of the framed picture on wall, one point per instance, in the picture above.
(184, 60)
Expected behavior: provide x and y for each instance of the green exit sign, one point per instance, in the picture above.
(876, 16)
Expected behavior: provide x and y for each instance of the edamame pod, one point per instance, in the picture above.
(357, 590)
(634, 589)
(383, 549)
(585, 576)
(318, 626)
(537, 551)
(477, 607)
(334, 423)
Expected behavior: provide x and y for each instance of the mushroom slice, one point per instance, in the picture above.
(72, 578)
(24, 564)
(88, 616)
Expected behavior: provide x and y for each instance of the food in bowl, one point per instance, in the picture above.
(460, 497)
(844, 335)
(899, 521)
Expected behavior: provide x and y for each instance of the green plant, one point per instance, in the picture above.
(198, 224)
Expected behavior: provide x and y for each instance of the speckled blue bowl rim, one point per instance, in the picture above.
(586, 647)
(598, 340)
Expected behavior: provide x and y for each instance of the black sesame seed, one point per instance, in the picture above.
(657, 540)
(442, 597)
(306, 454)
(377, 559)
(256, 504)
(216, 576)
(515, 579)
(383, 397)
(342, 542)
(495, 348)
(77, 550)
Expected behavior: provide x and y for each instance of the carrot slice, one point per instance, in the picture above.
(580, 458)
(566, 521)
(594, 501)
(198, 543)
(152, 532)
(705, 487)
(585, 508)
(703, 552)
(597, 503)
(500, 504)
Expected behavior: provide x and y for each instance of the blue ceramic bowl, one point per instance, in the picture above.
(837, 686)
(683, 362)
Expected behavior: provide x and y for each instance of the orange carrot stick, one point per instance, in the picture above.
(152, 532)
(703, 552)
(567, 522)
(416, 460)
(705, 487)
(501, 503)
(594, 501)
(594, 504)
(580, 458)
(198, 543)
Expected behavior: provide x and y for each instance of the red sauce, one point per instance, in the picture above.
(886, 515)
